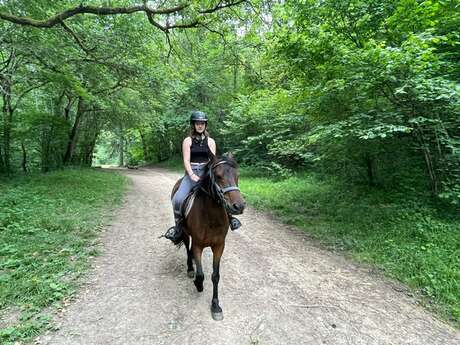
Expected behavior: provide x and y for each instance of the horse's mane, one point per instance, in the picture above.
(227, 158)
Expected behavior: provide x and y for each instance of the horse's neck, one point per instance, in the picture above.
(213, 211)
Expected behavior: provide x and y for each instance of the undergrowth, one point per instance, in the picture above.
(48, 230)
(408, 236)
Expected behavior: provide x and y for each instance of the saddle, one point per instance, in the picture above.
(188, 203)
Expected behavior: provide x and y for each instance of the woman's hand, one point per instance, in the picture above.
(194, 178)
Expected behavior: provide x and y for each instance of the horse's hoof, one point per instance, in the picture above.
(191, 274)
(219, 316)
(198, 285)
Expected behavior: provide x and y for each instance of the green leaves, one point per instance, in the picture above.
(261, 124)
(368, 77)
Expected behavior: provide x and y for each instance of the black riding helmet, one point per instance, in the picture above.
(198, 116)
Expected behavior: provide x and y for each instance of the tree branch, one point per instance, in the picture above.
(167, 27)
(7, 61)
(168, 39)
(106, 11)
(100, 11)
(25, 92)
(77, 39)
(220, 6)
(221, 34)
(118, 86)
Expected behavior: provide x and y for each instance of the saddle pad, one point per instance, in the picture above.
(188, 203)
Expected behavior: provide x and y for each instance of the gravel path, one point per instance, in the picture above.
(276, 288)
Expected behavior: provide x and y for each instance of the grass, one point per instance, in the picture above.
(408, 237)
(48, 231)
(175, 164)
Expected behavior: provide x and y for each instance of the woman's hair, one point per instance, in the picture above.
(193, 134)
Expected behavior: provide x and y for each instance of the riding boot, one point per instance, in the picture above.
(234, 222)
(174, 233)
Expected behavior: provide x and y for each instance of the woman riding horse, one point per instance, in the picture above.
(196, 150)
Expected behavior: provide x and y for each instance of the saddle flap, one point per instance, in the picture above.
(188, 202)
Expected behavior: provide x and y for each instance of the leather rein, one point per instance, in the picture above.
(216, 191)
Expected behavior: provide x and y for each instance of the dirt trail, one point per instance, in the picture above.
(276, 288)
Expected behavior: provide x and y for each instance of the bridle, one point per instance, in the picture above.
(216, 191)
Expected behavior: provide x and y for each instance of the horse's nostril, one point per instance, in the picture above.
(239, 206)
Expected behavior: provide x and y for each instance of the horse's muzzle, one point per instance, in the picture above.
(237, 208)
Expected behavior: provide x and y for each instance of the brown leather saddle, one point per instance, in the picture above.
(188, 200)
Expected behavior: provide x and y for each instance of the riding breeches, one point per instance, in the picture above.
(185, 187)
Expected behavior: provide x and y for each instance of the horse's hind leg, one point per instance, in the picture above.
(199, 276)
(216, 310)
(190, 270)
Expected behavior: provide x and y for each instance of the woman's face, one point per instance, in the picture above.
(200, 126)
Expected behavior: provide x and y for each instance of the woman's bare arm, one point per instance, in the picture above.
(186, 155)
(212, 145)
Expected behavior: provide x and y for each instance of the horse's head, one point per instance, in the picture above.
(223, 174)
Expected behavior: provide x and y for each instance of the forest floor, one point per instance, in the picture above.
(277, 287)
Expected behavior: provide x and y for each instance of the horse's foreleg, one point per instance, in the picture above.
(190, 270)
(199, 277)
(216, 310)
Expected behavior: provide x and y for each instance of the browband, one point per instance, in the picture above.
(219, 163)
(229, 189)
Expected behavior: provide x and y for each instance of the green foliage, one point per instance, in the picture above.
(265, 127)
(363, 88)
(48, 228)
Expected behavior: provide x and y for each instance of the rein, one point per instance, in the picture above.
(217, 192)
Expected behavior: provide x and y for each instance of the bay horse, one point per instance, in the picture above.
(207, 222)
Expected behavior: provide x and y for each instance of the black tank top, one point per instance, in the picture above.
(199, 150)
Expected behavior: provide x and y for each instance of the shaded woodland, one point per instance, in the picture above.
(364, 90)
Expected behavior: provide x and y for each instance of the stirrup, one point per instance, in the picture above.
(234, 223)
(174, 233)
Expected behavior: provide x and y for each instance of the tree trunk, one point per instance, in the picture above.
(2, 161)
(144, 145)
(72, 143)
(2, 164)
(370, 170)
(68, 107)
(429, 164)
(24, 158)
(235, 74)
(45, 148)
(7, 124)
(90, 152)
(425, 148)
(121, 146)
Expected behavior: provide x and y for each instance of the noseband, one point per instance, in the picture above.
(217, 192)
